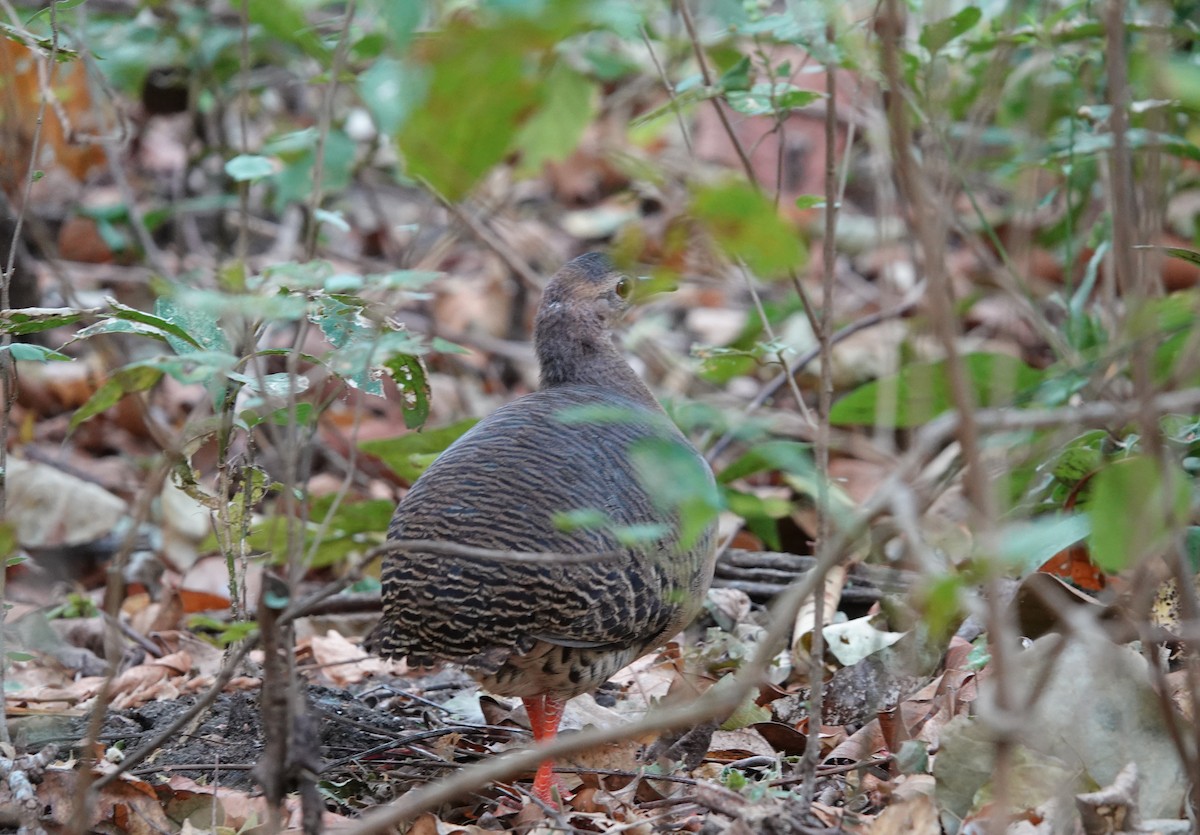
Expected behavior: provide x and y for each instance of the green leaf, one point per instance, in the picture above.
(24, 320)
(936, 35)
(407, 371)
(123, 381)
(745, 224)
(785, 456)
(679, 482)
(353, 527)
(246, 168)
(8, 545)
(295, 182)
(199, 323)
(334, 219)
(32, 353)
(1027, 545)
(765, 99)
(748, 713)
(921, 392)
(682, 100)
(759, 513)
(1188, 255)
(1135, 509)
(408, 455)
(120, 326)
(568, 106)
(641, 534)
(284, 20)
(482, 86)
(227, 633)
(168, 328)
(391, 89)
(1081, 457)
(736, 77)
(208, 367)
(402, 19)
(581, 519)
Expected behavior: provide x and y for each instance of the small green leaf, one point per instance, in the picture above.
(679, 482)
(936, 35)
(24, 320)
(1028, 545)
(33, 353)
(402, 19)
(408, 373)
(334, 219)
(227, 633)
(391, 89)
(736, 77)
(123, 381)
(284, 20)
(195, 314)
(745, 224)
(553, 132)
(771, 99)
(245, 168)
(1191, 256)
(633, 535)
(8, 545)
(408, 455)
(921, 391)
(168, 328)
(1081, 457)
(785, 456)
(747, 713)
(581, 519)
(120, 326)
(1135, 508)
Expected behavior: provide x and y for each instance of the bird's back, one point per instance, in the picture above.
(500, 487)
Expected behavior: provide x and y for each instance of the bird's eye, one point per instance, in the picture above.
(624, 288)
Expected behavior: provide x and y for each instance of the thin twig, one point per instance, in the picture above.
(670, 88)
(8, 368)
(706, 74)
(928, 232)
(114, 594)
(789, 373)
(488, 238)
(769, 389)
(326, 118)
(816, 681)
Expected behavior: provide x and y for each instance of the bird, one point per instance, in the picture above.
(586, 600)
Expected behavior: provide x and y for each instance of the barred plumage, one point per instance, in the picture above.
(551, 628)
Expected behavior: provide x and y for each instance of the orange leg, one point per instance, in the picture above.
(545, 712)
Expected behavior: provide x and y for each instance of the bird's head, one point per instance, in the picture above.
(588, 289)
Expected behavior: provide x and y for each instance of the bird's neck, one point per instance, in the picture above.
(574, 352)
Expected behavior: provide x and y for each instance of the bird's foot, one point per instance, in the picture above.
(547, 787)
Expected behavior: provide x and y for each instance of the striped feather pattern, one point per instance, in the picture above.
(540, 627)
